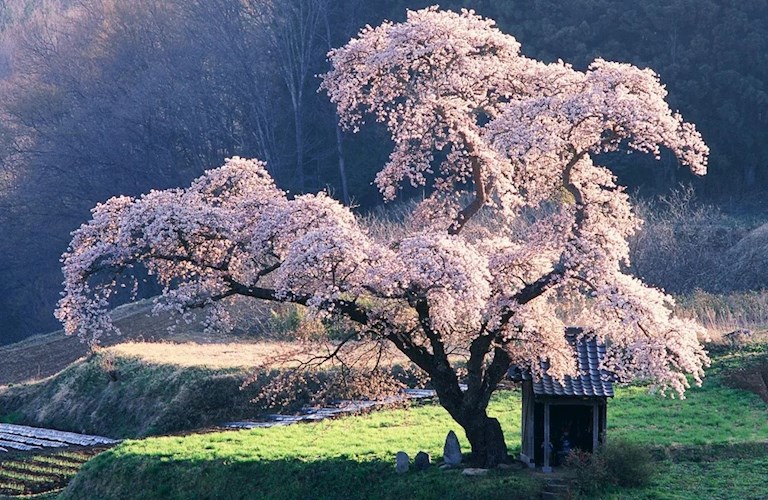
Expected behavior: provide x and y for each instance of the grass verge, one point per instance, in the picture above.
(742, 478)
(126, 396)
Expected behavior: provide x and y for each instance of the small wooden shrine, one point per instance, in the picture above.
(559, 416)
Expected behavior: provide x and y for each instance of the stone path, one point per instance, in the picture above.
(315, 414)
(25, 438)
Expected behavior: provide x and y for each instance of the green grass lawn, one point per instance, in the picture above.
(742, 479)
(345, 458)
(353, 457)
(714, 444)
(711, 415)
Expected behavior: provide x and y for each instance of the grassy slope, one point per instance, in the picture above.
(736, 478)
(145, 399)
(715, 443)
(343, 458)
(712, 415)
(143, 334)
(353, 457)
(42, 356)
(165, 382)
(140, 388)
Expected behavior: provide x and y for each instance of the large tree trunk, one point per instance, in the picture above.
(468, 408)
(487, 441)
(483, 432)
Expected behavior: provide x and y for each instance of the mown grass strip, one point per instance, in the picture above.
(23, 467)
(742, 478)
(22, 476)
(11, 488)
(75, 456)
(66, 464)
(79, 459)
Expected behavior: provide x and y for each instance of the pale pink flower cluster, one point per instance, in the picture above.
(428, 80)
(448, 272)
(514, 136)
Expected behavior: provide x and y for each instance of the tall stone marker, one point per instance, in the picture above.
(452, 449)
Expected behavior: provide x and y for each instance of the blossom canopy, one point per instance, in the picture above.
(523, 234)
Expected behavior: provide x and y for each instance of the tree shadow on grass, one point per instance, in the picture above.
(157, 476)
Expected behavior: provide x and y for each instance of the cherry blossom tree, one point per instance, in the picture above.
(499, 138)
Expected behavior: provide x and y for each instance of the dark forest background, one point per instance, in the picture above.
(106, 97)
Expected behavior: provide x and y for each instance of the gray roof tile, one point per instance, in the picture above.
(591, 380)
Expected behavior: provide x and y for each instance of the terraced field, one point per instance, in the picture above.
(34, 460)
(41, 472)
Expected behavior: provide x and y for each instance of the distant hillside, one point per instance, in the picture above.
(127, 397)
(145, 381)
(121, 97)
(149, 337)
(148, 381)
(14, 16)
(41, 356)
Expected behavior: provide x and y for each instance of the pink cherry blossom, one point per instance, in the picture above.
(524, 235)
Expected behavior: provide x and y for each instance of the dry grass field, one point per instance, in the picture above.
(147, 337)
(143, 335)
(41, 356)
(214, 355)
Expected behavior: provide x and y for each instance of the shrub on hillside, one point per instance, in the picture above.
(590, 472)
(747, 261)
(629, 465)
(621, 463)
(751, 377)
(684, 245)
(289, 389)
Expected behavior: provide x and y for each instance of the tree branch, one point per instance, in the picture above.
(478, 350)
(444, 378)
(416, 353)
(547, 281)
(495, 372)
(348, 308)
(481, 195)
